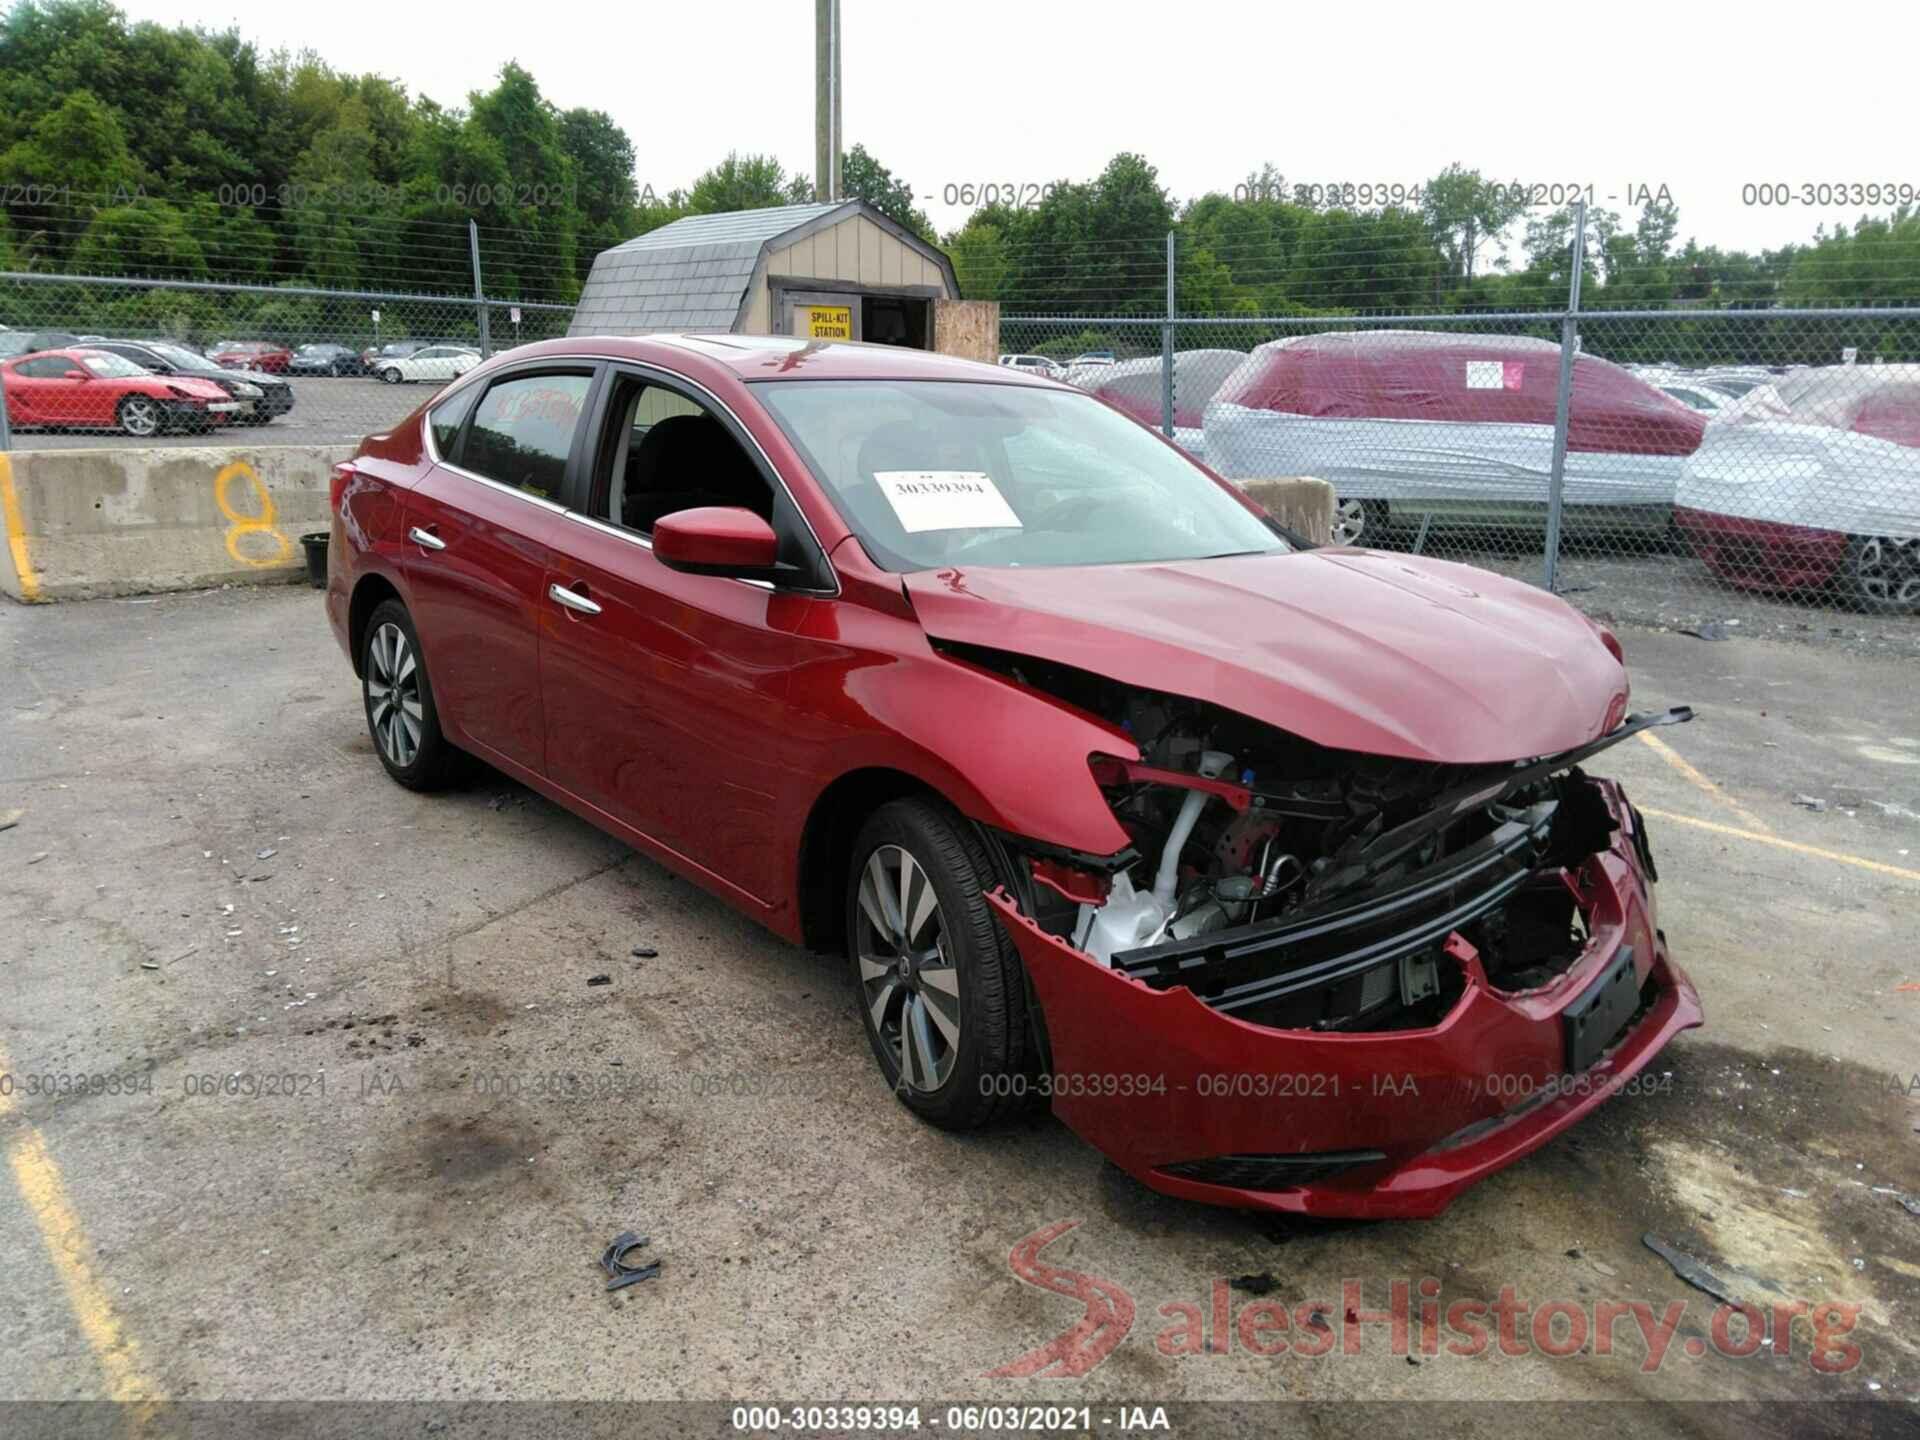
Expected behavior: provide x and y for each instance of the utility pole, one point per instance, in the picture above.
(826, 100)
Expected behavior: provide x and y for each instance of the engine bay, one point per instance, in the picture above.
(1301, 886)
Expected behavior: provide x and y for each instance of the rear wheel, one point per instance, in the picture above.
(399, 702)
(140, 416)
(1359, 522)
(940, 989)
(1881, 575)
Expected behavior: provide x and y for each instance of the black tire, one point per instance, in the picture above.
(337, 369)
(432, 763)
(1881, 575)
(390, 375)
(992, 1060)
(141, 416)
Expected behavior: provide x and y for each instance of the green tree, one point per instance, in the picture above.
(1465, 213)
(149, 239)
(864, 178)
(603, 160)
(79, 146)
(746, 182)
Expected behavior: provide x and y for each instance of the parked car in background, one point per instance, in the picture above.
(262, 396)
(1035, 364)
(1813, 481)
(1136, 388)
(93, 390)
(25, 342)
(1409, 424)
(251, 355)
(434, 362)
(1092, 357)
(325, 359)
(393, 350)
(1082, 766)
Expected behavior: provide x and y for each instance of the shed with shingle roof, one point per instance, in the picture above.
(827, 271)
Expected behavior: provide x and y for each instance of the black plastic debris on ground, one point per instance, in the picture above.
(644, 952)
(619, 1273)
(599, 980)
(1693, 1271)
(1261, 1284)
(1711, 630)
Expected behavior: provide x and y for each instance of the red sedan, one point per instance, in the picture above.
(251, 355)
(1271, 868)
(93, 390)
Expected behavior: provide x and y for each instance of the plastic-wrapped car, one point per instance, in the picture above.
(1406, 423)
(1135, 387)
(1810, 481)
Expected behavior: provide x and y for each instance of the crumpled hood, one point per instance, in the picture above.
(1355, 649)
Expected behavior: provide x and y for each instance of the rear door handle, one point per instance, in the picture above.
(573, 600)
(426, 539)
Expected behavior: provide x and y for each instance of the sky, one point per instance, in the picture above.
(1704, 101)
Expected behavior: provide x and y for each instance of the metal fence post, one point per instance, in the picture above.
(1166, 346)
(1569, 343)
(479, 295)
(6, 435)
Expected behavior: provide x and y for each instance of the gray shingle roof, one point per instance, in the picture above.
(690, 275)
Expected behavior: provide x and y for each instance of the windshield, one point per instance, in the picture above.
(110, 367)
(184, 359)
(928, 473)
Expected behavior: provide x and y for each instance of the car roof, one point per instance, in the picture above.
(779, 357)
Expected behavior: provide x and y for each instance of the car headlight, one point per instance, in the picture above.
(251, 392)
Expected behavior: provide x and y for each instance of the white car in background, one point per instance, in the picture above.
(436, 362)
(1035, 364)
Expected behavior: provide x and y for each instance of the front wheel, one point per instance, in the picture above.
(940, 989)
(390, 376)
(140, 416)
(1359, 522)
(398, 697)
(1881, 575)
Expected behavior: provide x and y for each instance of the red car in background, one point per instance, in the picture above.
(251, 355)
(93, 390)
(1272, 868)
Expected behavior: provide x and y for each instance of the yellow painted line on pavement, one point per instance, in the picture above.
(41, 1188)
(16, 531)
(1839, 857)
(1706, 787)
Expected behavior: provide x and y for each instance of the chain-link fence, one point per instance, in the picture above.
(1682, 467)
(129, 317)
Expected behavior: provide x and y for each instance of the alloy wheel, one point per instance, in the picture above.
(1887, 573)
(393, 694)
(1349, 522)
(907, 975)
(139, 416)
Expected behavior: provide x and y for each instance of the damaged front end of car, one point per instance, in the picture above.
(1332, 982)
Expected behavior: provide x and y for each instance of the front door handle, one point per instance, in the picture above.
(573, 600)
(426, 539)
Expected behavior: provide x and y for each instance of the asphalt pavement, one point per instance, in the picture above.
(366, 1122)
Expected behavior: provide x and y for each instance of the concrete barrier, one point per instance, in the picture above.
(86, 523)
(1302, 504)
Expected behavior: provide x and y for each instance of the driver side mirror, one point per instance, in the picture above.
(717, 540)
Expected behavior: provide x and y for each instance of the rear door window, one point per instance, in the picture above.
(524, 430)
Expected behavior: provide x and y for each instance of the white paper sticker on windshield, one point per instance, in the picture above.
(1486, 375)
(946, 500)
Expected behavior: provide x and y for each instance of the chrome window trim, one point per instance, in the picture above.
(551, 362)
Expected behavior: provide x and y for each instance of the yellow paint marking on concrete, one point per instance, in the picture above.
(1706, 787)
(240, 525)
(1839, 857)
(16, 532)
(45, 1196)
